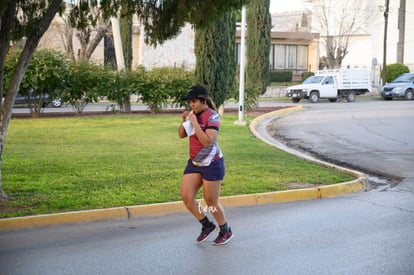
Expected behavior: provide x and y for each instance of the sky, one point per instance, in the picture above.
(284, 5)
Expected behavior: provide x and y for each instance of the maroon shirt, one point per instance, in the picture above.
(208, 119)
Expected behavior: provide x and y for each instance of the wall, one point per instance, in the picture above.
(176, 52)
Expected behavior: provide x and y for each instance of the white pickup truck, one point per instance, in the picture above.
(332, 85)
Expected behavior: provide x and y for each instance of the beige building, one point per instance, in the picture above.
(290, 50)
(297, 39)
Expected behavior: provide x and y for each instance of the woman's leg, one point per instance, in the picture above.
(190, 184)
(211, 191)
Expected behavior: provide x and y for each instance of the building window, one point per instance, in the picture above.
(285, 57)
(279, 57)
(302, 58)
(289, 57)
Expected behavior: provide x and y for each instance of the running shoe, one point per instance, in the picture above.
(223, 238)
(205, 232)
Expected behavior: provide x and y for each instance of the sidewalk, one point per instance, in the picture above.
(258, 128)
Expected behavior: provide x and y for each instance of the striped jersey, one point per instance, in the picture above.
(208, 119)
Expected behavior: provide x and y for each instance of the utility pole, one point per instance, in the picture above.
(401, 33)
(242, 68)
(384, 66)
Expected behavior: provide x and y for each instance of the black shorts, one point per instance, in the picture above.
(215, 171)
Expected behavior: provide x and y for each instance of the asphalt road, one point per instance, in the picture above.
(372, 135)
(369, 232)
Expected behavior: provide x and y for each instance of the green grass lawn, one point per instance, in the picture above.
(62, 164)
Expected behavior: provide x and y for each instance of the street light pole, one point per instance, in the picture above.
(242, 68)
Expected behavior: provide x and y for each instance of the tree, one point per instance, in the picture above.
(212, 61)
(257, 48)
(126, 37)
(82, 24)
(233, 82)
(339, 22)
(89, 27)
(162, 20)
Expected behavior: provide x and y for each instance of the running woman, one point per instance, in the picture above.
(205, 167)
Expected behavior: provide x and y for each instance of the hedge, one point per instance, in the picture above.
(281, 76)
(80, 83)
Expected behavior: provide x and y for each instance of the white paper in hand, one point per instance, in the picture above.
(189, 129)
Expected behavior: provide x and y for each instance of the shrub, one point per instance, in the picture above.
(122, 84)
(281, 76)
(163, 85)
(83, 84)
(395, 70)
(45, 75)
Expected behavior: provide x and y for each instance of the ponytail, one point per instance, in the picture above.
(211, 104)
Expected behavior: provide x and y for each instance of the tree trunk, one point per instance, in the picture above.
(126, 106)
(100, 33)
(68, 41)
(7, 23)
(84, 38)
(21, 68)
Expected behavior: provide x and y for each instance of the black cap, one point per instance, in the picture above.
(196, 92)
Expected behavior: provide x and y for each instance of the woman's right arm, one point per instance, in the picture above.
(181, 131)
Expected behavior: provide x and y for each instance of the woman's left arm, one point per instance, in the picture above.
(207, 137)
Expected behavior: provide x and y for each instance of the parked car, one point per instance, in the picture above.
(402, 87)
(47, 100)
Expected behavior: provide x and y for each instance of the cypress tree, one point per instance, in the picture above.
(232, 64)
(126, 37)
(212, 57)
(258, 21)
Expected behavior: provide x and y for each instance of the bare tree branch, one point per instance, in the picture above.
(339, 23)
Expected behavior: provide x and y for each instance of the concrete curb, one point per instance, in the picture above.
(128, 212)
